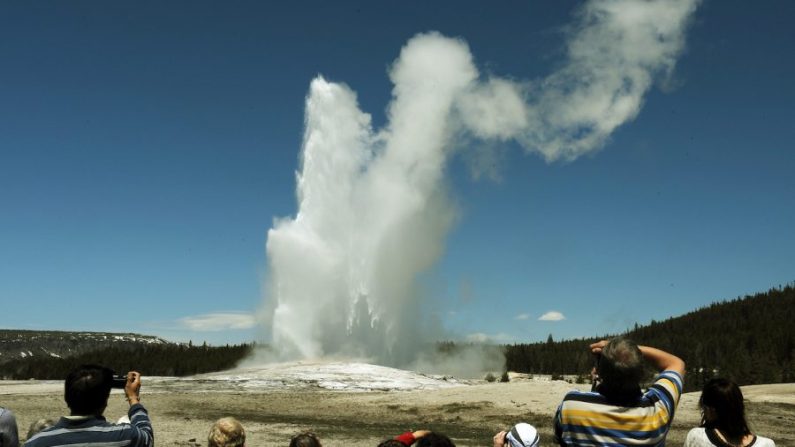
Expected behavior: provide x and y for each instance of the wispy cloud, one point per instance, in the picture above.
(481, 337)
(522, 317)
(552, 315)
(218, 321)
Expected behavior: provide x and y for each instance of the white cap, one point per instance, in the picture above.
(522, 435)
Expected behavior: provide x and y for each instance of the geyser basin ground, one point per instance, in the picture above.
(361, 413)
(308, 375)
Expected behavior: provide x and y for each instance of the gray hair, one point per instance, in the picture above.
(621, 365)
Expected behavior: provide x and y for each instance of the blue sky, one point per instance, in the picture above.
(146, 148)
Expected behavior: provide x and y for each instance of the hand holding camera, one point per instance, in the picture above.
(132, 387)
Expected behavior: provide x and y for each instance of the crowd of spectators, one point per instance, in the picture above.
(616, 412)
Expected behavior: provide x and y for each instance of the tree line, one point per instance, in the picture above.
(150, 359)
(749, 339)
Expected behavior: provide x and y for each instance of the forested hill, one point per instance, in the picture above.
(52, 354)
(749, 339)
(20, 344)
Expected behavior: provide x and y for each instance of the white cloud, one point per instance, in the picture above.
(552, 315)
(219, 321)
(522, 317)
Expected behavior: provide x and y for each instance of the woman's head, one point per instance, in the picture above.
(723, 408)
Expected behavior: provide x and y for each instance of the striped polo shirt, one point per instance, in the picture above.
(92, 431)
(589, 419)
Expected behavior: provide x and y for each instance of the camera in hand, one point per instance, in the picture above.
(118, 381)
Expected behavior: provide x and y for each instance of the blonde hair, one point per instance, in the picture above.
(37, 426)
(226, 432)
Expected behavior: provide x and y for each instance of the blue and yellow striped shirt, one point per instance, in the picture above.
(590, 419)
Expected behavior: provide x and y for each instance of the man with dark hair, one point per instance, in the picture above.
(305, 439)
(616, 411)
(86, 391)
(405, 439)
(434, 439)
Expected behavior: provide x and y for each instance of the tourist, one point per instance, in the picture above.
(405, 439)
(646, 417)
(9, 436)
(305, 439)
(723, 421)
(227, 432)
(86, 391)
(39, 425)
(520, 435)
(434, 439)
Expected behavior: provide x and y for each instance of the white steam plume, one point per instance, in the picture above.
(373, 210)
(615, 51)
(372, 213)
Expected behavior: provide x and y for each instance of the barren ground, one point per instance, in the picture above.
(468, 414)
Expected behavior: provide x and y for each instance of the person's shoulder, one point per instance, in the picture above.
(42, 438)
(671, 381)
(761, 441)
(583, 396)
(671, 375)
(580, 393)
(697, 437)
(35, 440)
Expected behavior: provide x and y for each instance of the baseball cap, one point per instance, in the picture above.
(522, 435)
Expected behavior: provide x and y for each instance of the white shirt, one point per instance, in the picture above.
(697, 437)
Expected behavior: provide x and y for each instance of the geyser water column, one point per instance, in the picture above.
(372, 209)
(372, 212)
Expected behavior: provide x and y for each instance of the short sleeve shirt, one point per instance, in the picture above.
(589, 418)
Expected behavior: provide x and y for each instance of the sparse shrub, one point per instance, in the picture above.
(557, 376)
(504, 377)
(490, 377)
(580, 379)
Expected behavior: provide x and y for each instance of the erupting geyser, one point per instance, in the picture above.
(373, 211)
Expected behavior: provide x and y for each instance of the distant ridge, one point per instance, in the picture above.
(749, 339)
(19, 343)
(26, 354)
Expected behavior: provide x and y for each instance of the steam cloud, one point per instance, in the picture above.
(373, 211)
